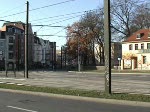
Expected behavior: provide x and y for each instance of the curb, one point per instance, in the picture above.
(12, 83)
(104, 73)
(79, 98)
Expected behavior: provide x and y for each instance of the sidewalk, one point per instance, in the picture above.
(82, 81)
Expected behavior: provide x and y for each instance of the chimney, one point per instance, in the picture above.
(35, 34)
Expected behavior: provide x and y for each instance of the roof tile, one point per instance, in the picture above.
(144, 37)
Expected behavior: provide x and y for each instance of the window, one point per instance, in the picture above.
(119, 47)
(142, 46)
(144, 59)
(148, 35)
(11, 47)
(11, 55)
(1, 44)
(138, 36)
(148, 45)
(130, 47)
(9, 30)
(1, 52)
(11, 40)
(136, 46)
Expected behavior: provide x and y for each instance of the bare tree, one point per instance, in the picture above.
(121, 12)
(142, 17)
(128, 16)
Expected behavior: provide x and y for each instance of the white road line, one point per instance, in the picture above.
(10, 83)
(21, 109)
(20, 84)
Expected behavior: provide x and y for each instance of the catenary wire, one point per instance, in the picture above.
(38, 8)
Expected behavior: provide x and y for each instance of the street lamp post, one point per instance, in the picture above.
(79, 68)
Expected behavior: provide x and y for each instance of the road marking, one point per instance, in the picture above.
(13, 79)
(20, 84)
(21, 109)
(10, 83)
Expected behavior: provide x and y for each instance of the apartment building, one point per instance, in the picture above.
(12, 47)
(2, 50)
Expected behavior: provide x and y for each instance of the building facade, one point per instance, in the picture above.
(12, 47)
(136, 51)
(2, 50)
(116, 54)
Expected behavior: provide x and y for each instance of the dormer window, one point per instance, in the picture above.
(149, 35)
(138, 36)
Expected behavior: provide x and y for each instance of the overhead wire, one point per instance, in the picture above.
(60, 19)
(38, 8)
(51, 5)
(58, 22)
(62, 15)
(12, 9)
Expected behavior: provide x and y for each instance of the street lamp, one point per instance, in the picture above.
(78, 50)
(79, 68)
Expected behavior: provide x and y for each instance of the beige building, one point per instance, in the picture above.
(136, 51)
(116, 54)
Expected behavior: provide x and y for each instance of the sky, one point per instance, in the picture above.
(57, 13)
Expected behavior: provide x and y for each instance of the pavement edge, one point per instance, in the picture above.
(88, 99)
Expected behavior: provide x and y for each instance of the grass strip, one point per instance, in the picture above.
(66, 91)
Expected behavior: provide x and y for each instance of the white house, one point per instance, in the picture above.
(136, 51)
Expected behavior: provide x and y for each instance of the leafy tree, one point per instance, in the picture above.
(88, 30)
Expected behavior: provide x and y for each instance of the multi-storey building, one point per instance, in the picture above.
(37, 51)
(44, 52)
(136, 50)
(2, 50)
(12, 47)
(14, 40)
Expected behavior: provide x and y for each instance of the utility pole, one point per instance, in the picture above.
(107, 46)
(26, 41)
(78, 54)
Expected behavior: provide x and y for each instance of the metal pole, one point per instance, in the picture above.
(18, 53)
(78, 56)
(53, 55)
(61, 57)
(107, 46)
(26, 42)
(65, 57)
(119, 65)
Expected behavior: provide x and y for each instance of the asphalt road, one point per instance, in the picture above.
(17, 102)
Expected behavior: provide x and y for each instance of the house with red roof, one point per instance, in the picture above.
(136, 51)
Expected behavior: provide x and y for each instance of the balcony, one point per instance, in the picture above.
(144, 51)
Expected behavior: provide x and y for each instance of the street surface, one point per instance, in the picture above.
(17, 102)
(121, 82)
